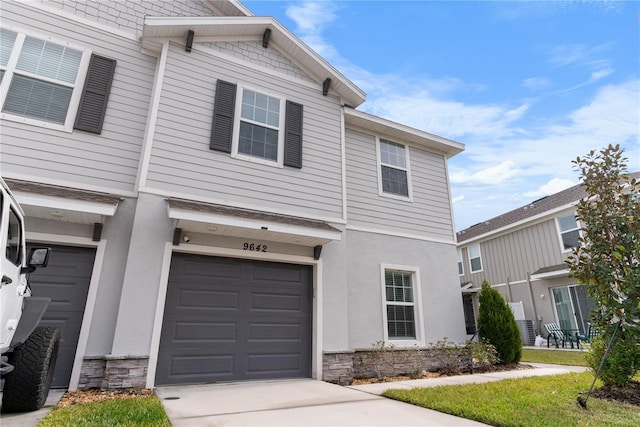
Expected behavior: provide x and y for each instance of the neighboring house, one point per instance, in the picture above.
(522, 253)
(217, 207)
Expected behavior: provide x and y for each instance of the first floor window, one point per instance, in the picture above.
(400, 304)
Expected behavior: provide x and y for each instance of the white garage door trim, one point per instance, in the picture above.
(316, 351)
(56, 239)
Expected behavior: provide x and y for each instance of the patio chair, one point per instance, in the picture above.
(554, 331)
(592, 331)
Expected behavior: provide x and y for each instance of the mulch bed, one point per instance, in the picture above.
(71, 398)
(629, 394)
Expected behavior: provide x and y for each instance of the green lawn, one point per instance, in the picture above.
(533, 401)
(557, 357)
(120, 412)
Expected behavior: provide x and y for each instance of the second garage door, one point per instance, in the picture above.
(230, 319)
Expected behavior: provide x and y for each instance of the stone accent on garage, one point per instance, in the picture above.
(113, 372)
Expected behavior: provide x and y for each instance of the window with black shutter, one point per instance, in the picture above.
(95, 95)
(257, 126)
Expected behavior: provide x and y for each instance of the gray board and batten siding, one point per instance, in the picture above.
(428, 215)
(514, 254)
(108, 160)
(191, 168)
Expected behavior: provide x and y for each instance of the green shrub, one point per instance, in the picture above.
(449, 356)
(622, 362)
(483, 354)
(497, 325)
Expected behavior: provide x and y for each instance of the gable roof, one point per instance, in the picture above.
(547, 204)
(158, 28)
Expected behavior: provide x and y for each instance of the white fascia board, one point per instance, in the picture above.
(28, 199)
(543, 216)
(156, 27)
(551, 274)
(406, 133)
(189, 215)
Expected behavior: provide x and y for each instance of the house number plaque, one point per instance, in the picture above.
(254, 247)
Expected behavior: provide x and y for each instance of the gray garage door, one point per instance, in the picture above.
(231, 319)
(66, 281)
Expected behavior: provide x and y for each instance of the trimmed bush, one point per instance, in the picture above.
(497, 325)
(622, 362)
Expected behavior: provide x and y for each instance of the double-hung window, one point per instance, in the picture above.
(475, 259)
(394, 178)
(460, 263)
(401, 303)
(253, 125)
(260, 130)
(569, 231)
(40, 79)
(41, 83)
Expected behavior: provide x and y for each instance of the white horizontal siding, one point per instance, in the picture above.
(429, 214)
(182, 163)
(108, 160)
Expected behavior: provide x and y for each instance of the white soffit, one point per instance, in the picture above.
(551, 274)
(64, 209)
(158, 28)
(212, 223)
(401, 133)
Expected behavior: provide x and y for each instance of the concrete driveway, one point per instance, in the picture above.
(300, 402)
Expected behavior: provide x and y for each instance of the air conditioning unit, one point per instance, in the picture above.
(527, 331)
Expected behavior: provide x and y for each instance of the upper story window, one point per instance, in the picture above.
(569, 231)
(475, 259)
(460, 263)
(41, 82)
(260, 127)
(394, 175)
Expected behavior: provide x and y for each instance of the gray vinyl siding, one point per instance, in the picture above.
(428, 215)
(109, 160)
(513, 255)
(182, 163)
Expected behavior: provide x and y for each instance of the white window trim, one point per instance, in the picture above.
(236, 128)
(460, 261)
(417, 306)
(407, 169)
(471, 270)
(559, 231)
(74, 102)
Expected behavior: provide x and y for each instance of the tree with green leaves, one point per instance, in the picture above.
(607, 260)
(497, 325)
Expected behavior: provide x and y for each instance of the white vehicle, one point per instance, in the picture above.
(28, 352)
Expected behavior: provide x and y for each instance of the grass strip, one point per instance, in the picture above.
(133, 411)
(556, 357)
(532, 401)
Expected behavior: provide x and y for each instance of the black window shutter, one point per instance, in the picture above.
(95, 95)
(293, 135)
(223, 111)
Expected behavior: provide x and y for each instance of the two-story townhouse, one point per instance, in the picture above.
(218, 208)
(522, 253)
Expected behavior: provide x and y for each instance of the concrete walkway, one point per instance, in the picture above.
(31, 419)
(539, 370)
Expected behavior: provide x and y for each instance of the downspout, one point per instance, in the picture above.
(533, 303)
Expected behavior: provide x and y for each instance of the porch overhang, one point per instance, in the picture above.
(552, 272)
(63, 204)
(197, 217)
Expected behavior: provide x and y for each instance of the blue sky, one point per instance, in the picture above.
(526, 86)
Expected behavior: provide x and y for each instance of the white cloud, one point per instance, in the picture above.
(553, 186)
(311, 18)
(492, 175)
(536, 83)
(457, 199)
